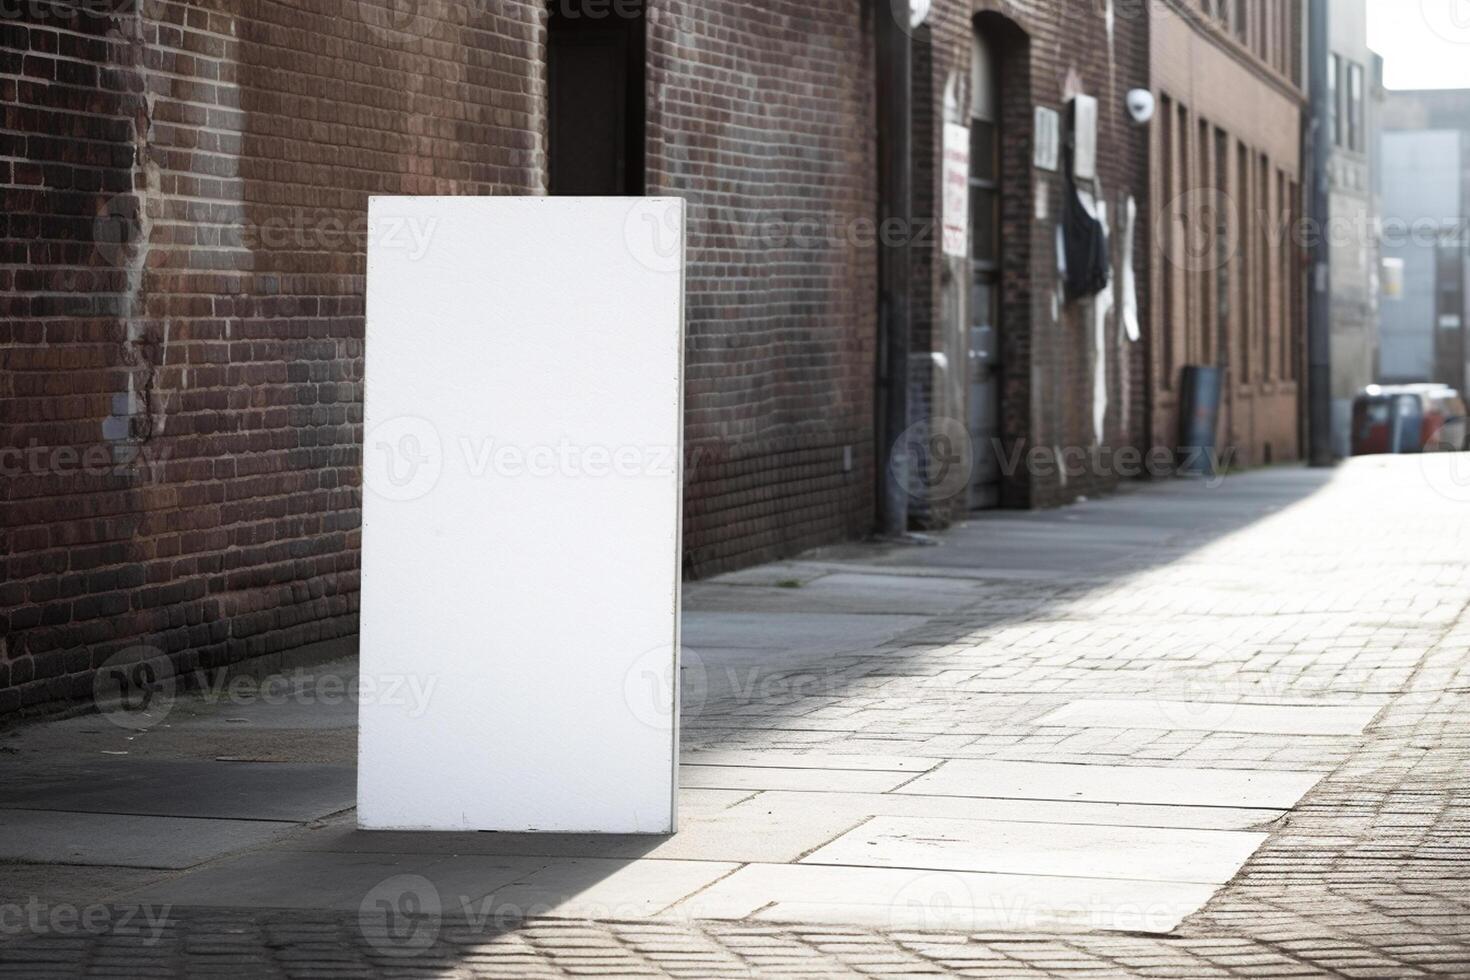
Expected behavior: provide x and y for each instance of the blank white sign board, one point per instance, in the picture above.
(521, 514)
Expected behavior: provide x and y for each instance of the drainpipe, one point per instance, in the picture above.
(1317, 149)
(895, 210)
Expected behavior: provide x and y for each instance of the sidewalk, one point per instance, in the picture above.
(1186, 731)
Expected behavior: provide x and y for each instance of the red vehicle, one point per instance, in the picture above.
(1418, 418)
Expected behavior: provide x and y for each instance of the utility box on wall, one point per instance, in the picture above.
(522, 467)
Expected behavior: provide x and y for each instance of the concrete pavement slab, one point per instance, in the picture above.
(747, 832)
(600, 888)
(894, 898)
(770, 575)
(756, 778)
(818, 632)
(296, 709)
(125, 840)
(1115, 783)
(1226, 599)
(857, 806)
(1216, 716)
(810, 760)
(701, 802)
(836, 592)
(180, 788)
(301, 880)
(1066, 850)
(70, 884)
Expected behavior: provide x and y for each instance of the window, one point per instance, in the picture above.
(1355, 108)
(1298, 310)
(1266, 47)
(1283, 272)
(1334, 103)
(1223, 257)
(1449, 261)
(1208, 242)
(1266, 283)
(1245, 256)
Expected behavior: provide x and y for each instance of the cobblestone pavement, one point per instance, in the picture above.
(1138, 631)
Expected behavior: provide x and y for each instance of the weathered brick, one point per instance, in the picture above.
(187, 297)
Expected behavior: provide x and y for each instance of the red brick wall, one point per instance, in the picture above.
(182, 330)
(761, 116)
(184, 263)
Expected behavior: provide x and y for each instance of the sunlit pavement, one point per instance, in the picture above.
(1191, 730)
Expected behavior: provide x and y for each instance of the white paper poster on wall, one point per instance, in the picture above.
(1048, 136)
(521, 514)
(956, 190)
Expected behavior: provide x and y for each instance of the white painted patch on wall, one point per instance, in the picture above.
(1047, 125)
(1102, 305)
(1129, 280)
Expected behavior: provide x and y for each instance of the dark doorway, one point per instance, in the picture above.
(595, 57)
(984, 368)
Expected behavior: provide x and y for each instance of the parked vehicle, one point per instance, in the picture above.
(1409, 419)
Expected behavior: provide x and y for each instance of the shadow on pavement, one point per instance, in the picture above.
(210, 783)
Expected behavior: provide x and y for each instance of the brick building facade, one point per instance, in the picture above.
(1227, 173)
(1067, 373)
(185, 190)
(185, 209)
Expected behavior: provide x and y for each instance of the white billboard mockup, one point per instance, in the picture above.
(522, 468)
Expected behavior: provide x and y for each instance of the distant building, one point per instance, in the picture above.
(1355, 92)
(1426, 212)
(1227, 170)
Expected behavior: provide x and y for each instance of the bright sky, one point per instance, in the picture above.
(1424, 43)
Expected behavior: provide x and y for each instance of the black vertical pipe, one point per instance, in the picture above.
(895, 223)
(1318, 148)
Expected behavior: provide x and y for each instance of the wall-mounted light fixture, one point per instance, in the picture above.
(1141, 106)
